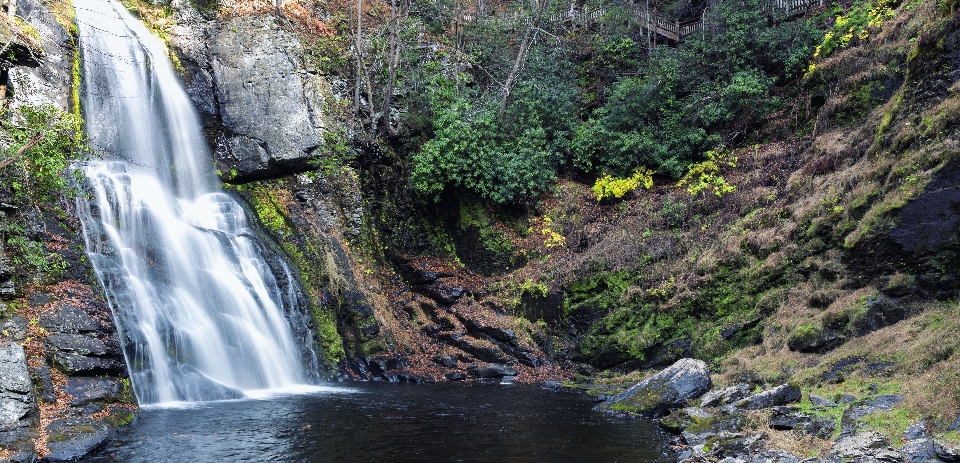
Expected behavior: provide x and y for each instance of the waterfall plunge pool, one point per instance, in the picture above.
(390, 422)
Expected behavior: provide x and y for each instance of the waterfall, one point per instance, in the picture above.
(205, 310)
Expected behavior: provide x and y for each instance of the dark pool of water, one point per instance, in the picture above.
(381, 422)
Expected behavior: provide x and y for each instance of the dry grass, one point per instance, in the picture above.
(795, 442)
(917, 358)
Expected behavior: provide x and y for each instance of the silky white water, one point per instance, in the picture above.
(201, 313)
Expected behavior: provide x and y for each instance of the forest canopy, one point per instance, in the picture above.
(510, 105)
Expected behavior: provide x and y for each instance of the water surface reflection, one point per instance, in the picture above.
(392, 423)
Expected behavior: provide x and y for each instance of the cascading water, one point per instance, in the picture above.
(202, 314)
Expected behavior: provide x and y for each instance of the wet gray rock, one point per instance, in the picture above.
(846, 399)
(919, 448)
(788, 418)
(68, 319)
(683, 418)
(866, 446)
(446, 361)
(77, 365)
(720, 397)
(15, 328)
(734, 445)
(44, 384)
(75, 344)
(85, 390)
(928, 222)
(70, 439)
(781, 395)
(500, 334)
(492, 370)
(673, 387)
(187, 38)
(271, 125)
(774, 456)
(16, 389)
(727, 425)
(824, 402)
(946, 453)
(8, 289)
(441, 292)
(666, 354)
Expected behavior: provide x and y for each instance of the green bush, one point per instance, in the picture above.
(40, 143)
(508, 159)
(692, 97)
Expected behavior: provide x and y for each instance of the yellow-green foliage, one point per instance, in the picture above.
(270, 209)
(268, 203)
(156, 18)
(858, 22)
(551, 238)
(608, 186)
(706, 175)
(329, 337)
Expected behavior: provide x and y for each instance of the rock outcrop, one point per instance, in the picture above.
(262, 106)
(673, 387)
(47, 82)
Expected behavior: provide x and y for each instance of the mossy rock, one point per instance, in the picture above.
(684, 418)
(701, 430)
(673, 387)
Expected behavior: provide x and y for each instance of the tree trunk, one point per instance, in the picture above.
(356, 87)
(522, 55)
(393, 58)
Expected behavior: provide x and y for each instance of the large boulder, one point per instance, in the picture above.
(16, 389)
(68, 319)
(70, 439)
(673, 387)
(269, 107)
(84, 390)
(81, 354)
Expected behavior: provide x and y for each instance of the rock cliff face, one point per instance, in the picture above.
(60, 357)
(261, 105)
(48, 81)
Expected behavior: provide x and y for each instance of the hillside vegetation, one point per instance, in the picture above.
(811, 235)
